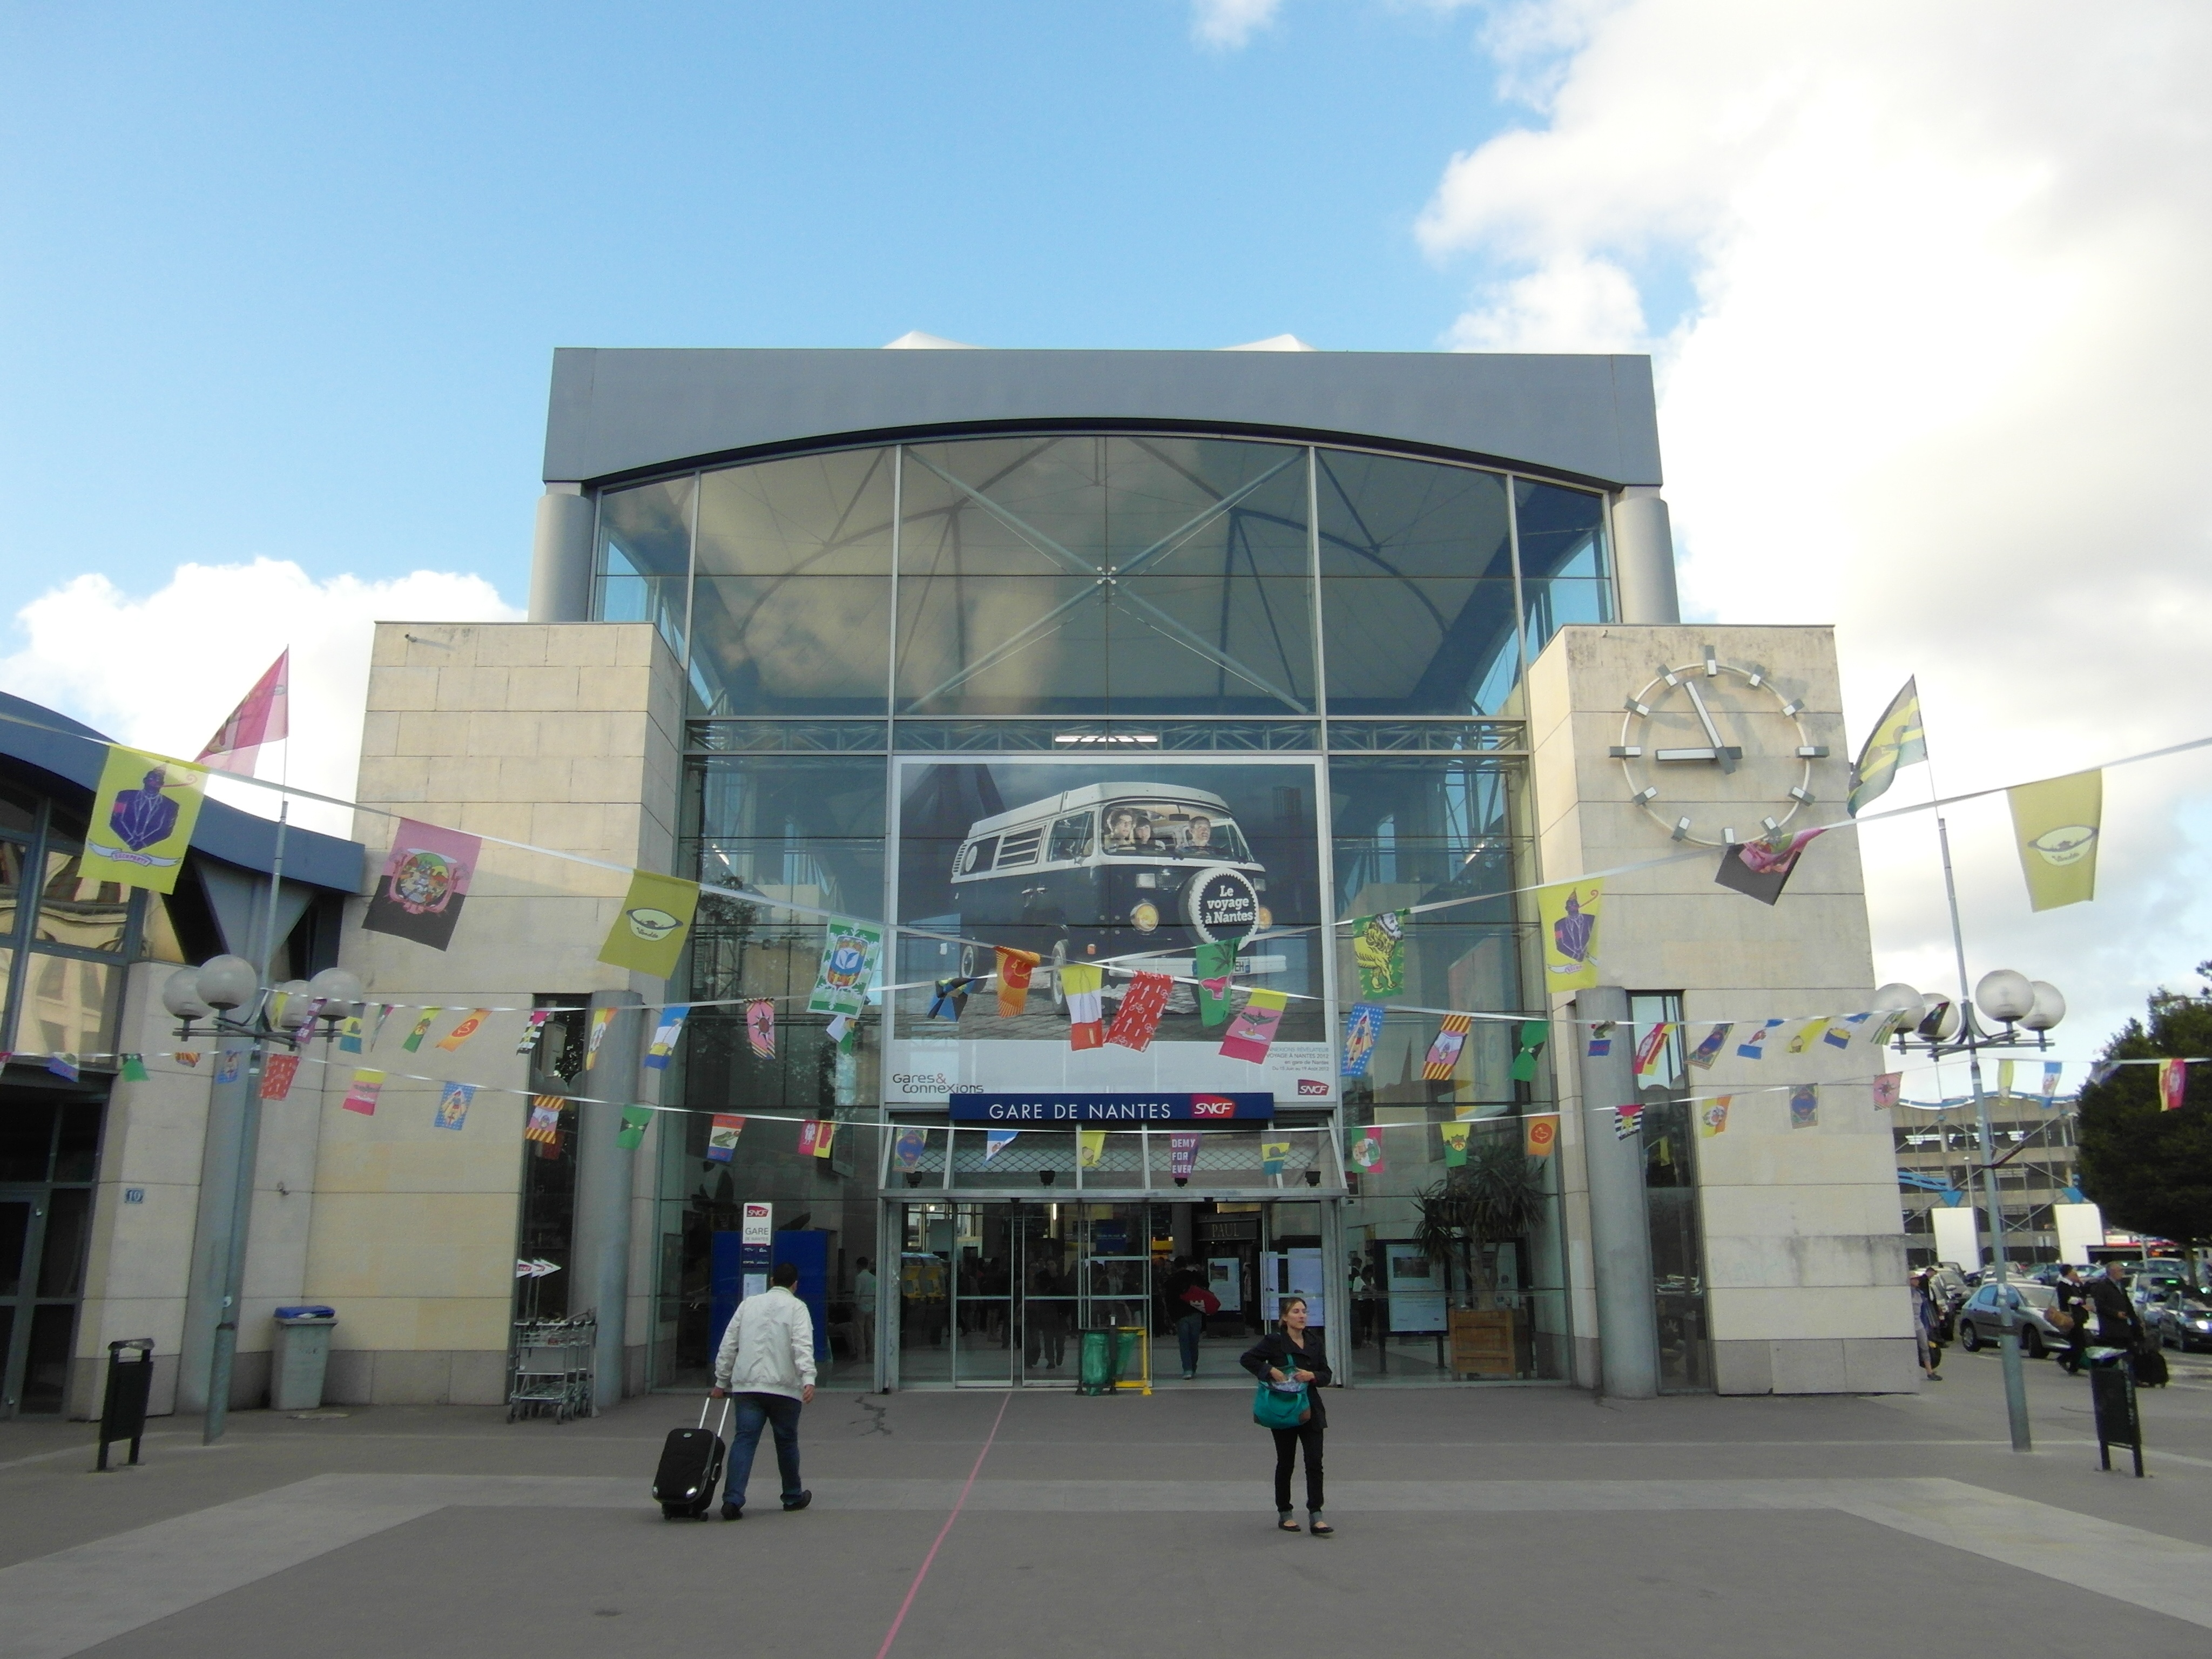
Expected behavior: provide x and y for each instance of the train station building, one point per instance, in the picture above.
(1116, 659)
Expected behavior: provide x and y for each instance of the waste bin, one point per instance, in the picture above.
(303, 1351)
(1097, 1373)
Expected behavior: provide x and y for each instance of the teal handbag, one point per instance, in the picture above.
(1280, 1405)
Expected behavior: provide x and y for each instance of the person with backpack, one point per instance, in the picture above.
(1189, 1301)
(767, 1362)
(1292, 1369)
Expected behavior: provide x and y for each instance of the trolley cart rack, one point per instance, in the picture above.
(552, 1368)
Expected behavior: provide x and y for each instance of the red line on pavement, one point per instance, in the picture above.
(922, 1573)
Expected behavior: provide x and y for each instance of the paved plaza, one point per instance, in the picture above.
(1040, 1522)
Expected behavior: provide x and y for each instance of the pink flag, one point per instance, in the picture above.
(1142, 1005)
(1253, 1032)
(361, 1096)
(760, 1028)
(264, 717)
(2173, 1084)
(1886, 1088)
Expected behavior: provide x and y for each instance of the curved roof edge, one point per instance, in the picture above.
(72, 754)
(614, 413)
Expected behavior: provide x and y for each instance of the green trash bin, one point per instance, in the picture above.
(1098, 1368)
(1126, 1360)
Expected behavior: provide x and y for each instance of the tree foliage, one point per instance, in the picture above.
(1497, 1196)
(2148, 1170)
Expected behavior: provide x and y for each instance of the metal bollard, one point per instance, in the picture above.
(123, 1414)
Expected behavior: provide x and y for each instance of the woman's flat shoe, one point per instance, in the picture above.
(1322, 1528)
(1288, 1525)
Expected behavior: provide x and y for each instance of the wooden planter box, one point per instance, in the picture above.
(1485, 1343)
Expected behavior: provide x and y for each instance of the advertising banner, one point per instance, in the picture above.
(1164, 866)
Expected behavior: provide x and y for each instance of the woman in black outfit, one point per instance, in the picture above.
(1285, 1356)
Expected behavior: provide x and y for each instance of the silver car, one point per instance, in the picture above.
(2183, 1321)
(1981, 1322)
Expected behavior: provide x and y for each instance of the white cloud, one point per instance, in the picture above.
(1230, 24)
(1940, 384)
(1570, 303)
(162, 671)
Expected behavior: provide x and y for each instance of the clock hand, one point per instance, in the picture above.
(1712, 732)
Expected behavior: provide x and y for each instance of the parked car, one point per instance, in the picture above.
(1949, 1284)
(2183, 1321)
(1981, 1322)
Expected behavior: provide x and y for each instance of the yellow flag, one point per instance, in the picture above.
(1713, 1116)
(143, 819)
(2056, 823)
(1093, 1146)
(1807, 1033)
(2004, 1079)
(1455, 1134)
(1540, 1134)
(648, 931)
(1568, 915)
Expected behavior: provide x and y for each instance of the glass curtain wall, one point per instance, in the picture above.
(1050, 591)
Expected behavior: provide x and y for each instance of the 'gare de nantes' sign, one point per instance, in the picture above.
(1049, 1107)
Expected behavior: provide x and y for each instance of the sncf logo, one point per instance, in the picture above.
(1312, 1085)
(1212, 1106)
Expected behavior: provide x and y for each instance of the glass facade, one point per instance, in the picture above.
(1299, 666)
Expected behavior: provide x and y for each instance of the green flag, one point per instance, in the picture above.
(1213, 964)
(1896, 740)
(636, 1120)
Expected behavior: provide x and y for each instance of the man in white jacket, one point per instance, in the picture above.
(767, 1361)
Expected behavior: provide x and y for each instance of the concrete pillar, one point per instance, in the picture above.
(1621, 1227)
(1643, 558)
(233, 1122)
(560, 556)
(600, 1259)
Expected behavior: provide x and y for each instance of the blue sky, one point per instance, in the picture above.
(285, 281)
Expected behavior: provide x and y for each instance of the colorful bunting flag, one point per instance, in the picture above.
(2172, 1084)
(1139, 1016)
(760, 1028)
(1015, 967)
(1754, 1046)
(1709, 1049)
(2004, 1079)
(230, 1066)
(2102, 1070)
(383, 1012)
(1626, 1122)
(1601, 1039)
(1534, 1034)
(1367, 1153)
(134, 1069)
(1378, 947)
(666, 1036)
(843, 1032)
(142, 819)
(362, 1093)
(849, 952)
(531, 1033)
(1362, 1028)
(423, 884)
(912, 1143)
(1274, 1155)
(996, 1141)
(1082, 986)
(814, 1136)
(2056, 823)
(1091, 1147)
(1805, 1106)
(1568, 917)
(1252, 1033)
(1887, 1089)
(2050, 1070)
(601, 1020)
(453, 1105)
(1540, 1134)
(1214, 963)
(649, 930)
(1444, 1053)
(950, 999)
(1896, 741)
(190, 1057)
(461, 1033)
(1182, 1153)
(1761, 869)
(1648, 1050)
(414, 1042)
(277, 1072)
(1839, 1034)
(544, 1125)
(1712, 1118)
(350, 1036)
(263, 716)
(722, 1133)
(635, 1121)
(1806, 1034)
(1456, 1136)
(63, 1065)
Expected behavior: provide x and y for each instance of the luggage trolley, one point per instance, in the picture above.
(552, 1368)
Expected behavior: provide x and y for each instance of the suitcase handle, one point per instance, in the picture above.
(708, 1405)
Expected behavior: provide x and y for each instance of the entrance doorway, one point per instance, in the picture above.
(48, 1156)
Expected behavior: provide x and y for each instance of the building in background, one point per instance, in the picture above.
(1938, 1160)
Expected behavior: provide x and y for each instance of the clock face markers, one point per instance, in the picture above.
(1708, 744)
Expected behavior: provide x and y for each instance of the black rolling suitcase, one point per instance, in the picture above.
(691, 1468)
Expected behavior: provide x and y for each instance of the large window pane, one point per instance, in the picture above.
(91, 915)
(645, 555)
(1567, 575)
(791, 645)
(65, 1007)
(12, 855)
(1097, 574)
(813, 515)
(1419, 645)
(1386, 517)
(805, 828)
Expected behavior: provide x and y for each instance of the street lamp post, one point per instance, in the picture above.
(214, 992)
(2027, 1009)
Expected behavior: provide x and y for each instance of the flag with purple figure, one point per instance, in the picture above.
(142, 817)
(1567, 915)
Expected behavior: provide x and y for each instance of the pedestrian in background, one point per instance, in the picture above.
(1927, 1321)
(767, 1362)
(1186, 1295)
(2119, 1324)
(2074, 1302)
(1292, 1354)
(864, 1311)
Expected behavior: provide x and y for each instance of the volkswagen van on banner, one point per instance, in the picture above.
(1136, 862)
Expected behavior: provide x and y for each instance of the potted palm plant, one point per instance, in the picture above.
(1497, 1196)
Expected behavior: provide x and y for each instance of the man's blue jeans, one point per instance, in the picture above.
(749, 1413)
(1188, 1329)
